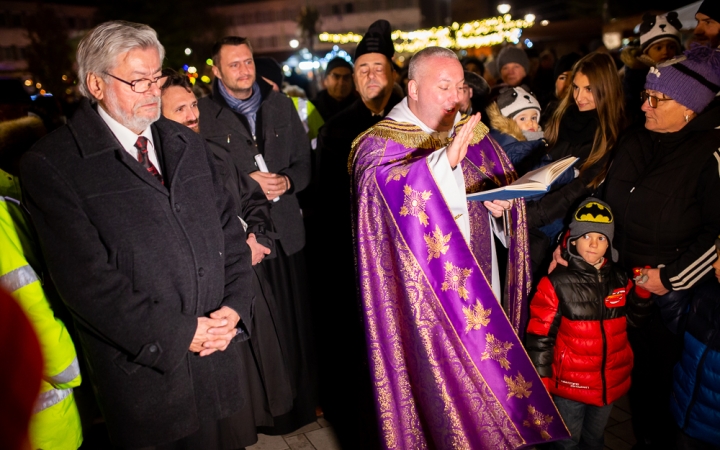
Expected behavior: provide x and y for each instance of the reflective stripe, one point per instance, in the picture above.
(18, 278)
(70, 373)
(302, 110)
(51, 398)
(10, 199)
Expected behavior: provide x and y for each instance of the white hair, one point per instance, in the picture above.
(427, 52)
(99, 49)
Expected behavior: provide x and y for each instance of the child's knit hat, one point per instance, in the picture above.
(511, 101)
(658, 28)
(593, 216)
(512, 54)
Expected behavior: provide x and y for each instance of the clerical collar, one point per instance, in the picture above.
(401, 113)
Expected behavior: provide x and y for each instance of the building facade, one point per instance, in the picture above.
(271, 25)
(14, 39)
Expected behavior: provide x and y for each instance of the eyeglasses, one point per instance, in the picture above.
(142, 85)
(651, 99)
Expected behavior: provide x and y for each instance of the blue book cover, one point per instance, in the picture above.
(535, 182)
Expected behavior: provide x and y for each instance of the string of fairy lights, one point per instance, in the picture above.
(479, 33)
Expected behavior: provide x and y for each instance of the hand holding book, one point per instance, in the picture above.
(532, 183)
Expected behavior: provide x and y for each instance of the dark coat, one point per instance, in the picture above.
(282, 141)
(576, 136)
(334, 142)
(664, 191)
(137, 263)
(344, 354)
(252, 205)
(329, 107)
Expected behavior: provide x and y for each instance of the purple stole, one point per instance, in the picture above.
(448, 368)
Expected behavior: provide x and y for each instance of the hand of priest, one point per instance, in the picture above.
(457, 149)
(496, 207)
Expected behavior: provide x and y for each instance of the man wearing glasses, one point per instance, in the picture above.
(155, 275)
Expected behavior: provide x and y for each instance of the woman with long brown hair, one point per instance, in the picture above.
(586, 125)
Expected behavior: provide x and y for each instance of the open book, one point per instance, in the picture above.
(537, 181)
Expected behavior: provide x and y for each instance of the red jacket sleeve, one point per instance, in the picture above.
(543, 308)
(542, 327)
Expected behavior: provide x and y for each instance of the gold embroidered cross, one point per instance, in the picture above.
(497, 350)
(455, 279)
(414, 204)
(539, 421)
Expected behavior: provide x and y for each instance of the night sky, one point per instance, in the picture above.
(551, 9)
(618, 7)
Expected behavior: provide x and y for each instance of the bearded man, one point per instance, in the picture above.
(144, 246)
(448, 367)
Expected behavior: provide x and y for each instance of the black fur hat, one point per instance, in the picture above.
(378, 39)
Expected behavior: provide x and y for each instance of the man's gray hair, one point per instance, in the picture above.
(98, 50)
(427, 52)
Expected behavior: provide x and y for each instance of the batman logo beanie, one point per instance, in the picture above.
(594, 216)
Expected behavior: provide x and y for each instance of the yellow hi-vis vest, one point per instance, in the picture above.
(55, 424)
(310, 118)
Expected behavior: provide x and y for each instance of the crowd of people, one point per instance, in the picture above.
(205, 266)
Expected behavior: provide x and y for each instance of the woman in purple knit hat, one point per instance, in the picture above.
(664, 187)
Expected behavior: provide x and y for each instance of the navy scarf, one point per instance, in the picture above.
(248, 107)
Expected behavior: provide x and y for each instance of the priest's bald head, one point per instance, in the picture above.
(435, 87)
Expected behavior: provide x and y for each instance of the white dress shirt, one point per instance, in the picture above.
(452, 185)
(128, 138)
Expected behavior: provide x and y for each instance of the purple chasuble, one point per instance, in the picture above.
(448, 368)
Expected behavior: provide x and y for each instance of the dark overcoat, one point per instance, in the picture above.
(137, 263)
(282, 141)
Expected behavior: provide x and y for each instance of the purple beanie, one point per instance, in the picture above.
(692, 79)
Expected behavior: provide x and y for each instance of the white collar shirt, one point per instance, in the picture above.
(128, 138)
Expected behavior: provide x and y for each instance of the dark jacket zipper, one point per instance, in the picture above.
(604, 339)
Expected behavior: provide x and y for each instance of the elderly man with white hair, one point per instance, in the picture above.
(144, 246)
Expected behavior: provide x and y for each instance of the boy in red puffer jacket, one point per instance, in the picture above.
(576, 334)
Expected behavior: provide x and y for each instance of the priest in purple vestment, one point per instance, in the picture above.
(448, 368)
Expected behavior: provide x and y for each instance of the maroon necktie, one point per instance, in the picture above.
(141, 144)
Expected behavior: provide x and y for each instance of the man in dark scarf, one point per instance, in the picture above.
(257, 131)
